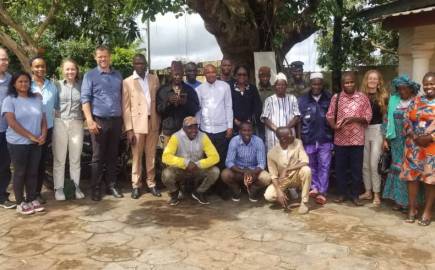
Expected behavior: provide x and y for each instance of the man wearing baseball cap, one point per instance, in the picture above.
(184, 156)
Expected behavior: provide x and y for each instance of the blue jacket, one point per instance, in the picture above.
(314, 127)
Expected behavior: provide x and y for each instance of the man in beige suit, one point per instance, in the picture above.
(141, 122)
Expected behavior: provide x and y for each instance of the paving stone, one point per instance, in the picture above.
(327, 250)
(397, 264)
(128, 265)
(66, 251)
(110, 239)
(97, 217)
(114, 254)
(210, 259)
(26, 249)
(68, 237)
(256, 260)
(262, 235)
(178, 266)
(32, 263)
(109, 226)
(304, 237)
(77, 263)
(162, 256)
(146, 242)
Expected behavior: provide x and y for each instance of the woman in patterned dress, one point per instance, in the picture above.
(419, 156)
(403, 91)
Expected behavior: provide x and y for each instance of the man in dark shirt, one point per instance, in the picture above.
(101, 99)
(316, 135)
(175, 101)
(191, 73)
(226, 70)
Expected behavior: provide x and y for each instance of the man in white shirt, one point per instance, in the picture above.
(216, 114)
(141, 122)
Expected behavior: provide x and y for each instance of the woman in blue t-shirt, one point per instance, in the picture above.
(26, 132)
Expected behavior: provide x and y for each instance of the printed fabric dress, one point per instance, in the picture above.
(395, 189)
(419, 162)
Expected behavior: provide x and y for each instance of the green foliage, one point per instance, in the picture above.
(122, 59)
(363, 43)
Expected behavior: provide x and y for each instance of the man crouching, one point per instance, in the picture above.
(288, 168)
(184, 156)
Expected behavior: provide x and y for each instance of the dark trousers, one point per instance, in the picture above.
(220, 142)
(25, 161)
(45, 148)
(349, 159)
(105, 151)
(5, 170)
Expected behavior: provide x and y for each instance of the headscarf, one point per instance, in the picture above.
(395, 100)
(280, 76)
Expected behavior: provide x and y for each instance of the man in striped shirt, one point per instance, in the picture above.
(245, 164)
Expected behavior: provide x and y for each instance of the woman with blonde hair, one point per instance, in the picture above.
(373, 86)
(68, 129)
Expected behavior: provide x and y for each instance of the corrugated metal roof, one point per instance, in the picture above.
(408, 12)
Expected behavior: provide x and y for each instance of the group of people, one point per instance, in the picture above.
(224, 134)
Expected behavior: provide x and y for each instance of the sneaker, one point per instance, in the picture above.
(7, 204)
(173, 201)
(41, 199)
(252, 195)
(236, 196)
(37, 207)
(59, 195)
(200, 197)
(25, 209)
(79, 193)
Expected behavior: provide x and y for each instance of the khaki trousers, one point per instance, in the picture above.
(203, 179)
(145, 144)
(300, 178)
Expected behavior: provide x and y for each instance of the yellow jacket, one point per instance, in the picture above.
(181, 150)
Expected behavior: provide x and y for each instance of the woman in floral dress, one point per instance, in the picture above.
(419, 156)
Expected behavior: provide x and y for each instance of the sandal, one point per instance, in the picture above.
(366, 196)
(424, 222)
(411, 218)
(320, 199)
(313, 193)
(377, 202)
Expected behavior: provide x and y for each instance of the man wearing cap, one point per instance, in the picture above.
(317, 135)
(141, 122)
(175, 101)
(184, 156)
(297, 84)
(265, 88)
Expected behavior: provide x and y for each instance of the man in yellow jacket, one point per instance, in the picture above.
(190, 156)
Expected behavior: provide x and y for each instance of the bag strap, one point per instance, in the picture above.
(336, 107)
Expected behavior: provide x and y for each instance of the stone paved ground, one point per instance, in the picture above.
(148, 234)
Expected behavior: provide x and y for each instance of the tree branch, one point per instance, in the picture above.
(50, 16)
(9, 43)
(9, 22)
(381, 47)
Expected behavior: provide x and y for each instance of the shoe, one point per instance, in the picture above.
(41, 199)
(7, 204)
(155, 192)
(357, 202)
(173, 201)
(135, 193)
(366, 196)
(96, 195)
(115, 193)
(25, 209)
(180, 195)
(59, 195)
(79, 193)
(313, 193)
(252, 195)
(424, 222)
(37, 207)
(320, 199)
(236, 196)
(303, 209)
(340, 199)
(411, 218)
(200, 197)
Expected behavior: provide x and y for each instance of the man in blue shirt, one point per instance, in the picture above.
(101, 99)
(191, 73)
(316, 135)
(5, 161)
(245, 162)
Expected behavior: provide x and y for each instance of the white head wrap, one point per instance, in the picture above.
(280, 76)
(316, 75)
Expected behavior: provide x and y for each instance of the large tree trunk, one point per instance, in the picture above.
(242, 27)
(337, 56)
